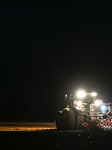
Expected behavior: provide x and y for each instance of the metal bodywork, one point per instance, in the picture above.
(94, 110)
(99, 118)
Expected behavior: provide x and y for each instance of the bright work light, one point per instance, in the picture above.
(103, 107)
(79, 103)
(93, 94)
(81, 94)
(97, 102)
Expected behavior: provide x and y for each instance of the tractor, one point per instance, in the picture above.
(78, 107)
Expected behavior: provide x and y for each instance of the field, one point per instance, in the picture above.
(54, 139)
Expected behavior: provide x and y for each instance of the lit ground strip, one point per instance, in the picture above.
(27, 126)
(2, 128)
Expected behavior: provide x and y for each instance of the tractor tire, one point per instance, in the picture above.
(80, 121)
(68, 119)
(59, 120)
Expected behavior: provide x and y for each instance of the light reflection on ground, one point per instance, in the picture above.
(26, 126)
(2, 128)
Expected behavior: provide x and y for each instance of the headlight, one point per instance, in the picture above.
(103, 107)
(97, 102)
(81, 94)
(79, 103)
(93, 94)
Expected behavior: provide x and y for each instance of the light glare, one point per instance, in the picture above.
(79, 103)
(97, 102)
(103, 107)
(81, 94)
(93, 94)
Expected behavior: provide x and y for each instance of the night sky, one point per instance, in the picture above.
(50, 48)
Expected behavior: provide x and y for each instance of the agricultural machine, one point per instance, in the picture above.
(84, 111)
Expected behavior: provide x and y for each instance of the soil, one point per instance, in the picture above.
(53, 139)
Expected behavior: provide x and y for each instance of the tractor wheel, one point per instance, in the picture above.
(80, 120)
(59, 120)
(68, 119)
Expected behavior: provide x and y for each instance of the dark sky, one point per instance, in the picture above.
(50, 48)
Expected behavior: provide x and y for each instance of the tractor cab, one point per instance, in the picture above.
(80, 99)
